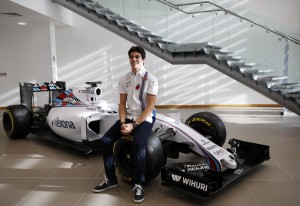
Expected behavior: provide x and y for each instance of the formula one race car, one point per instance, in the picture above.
(79, 118)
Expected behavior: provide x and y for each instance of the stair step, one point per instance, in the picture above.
(210, 45)
(224, 55)
(80, 2)
(148, 34)
(97, 6)
(125, 22)
(286, 88)
(278, 87)
(229, 56)
(88, 4)
(108, 13)
(191, 47)
(271, 78)
(212, 48)
(250, 65)
(237, 58)
(101, 10)
(137, 28)
(295, 95)
(233, 63)
(255, 71)
(160, 40)
(114, 17)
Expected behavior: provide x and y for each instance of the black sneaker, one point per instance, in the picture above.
(106, 184)
(139, 195)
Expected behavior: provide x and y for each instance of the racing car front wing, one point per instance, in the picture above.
(198, 179)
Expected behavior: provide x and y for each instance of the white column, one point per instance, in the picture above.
(44, 50)
(53, 52)
(44, 54)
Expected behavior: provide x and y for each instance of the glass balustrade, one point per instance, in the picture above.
(253, 39)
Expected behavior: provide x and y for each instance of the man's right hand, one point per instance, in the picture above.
(127, 129)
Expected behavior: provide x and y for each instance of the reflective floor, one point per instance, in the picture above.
(36, 172)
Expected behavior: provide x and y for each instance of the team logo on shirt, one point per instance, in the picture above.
(154, 83)
(137, 87)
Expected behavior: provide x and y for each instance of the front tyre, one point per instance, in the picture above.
(17, 121)
(209, 125)
(124, 159)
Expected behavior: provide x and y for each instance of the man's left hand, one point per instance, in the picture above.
(127, 129)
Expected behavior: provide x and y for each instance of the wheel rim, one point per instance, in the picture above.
(126, 157)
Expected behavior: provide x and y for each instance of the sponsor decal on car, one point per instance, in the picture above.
(204, 142)
(238, 171)
(219, 152)
(53, 86)
(67, 99)
(86, 91)
(189, 182)
(211, 147)
(198, 119)
(63, 124)
(196, 167)
(70, 100)
(39, 87)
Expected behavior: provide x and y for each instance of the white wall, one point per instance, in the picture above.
(87, 52)
(16, 60)
(25, 51)
(285, 13)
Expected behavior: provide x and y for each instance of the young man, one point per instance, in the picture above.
(138, 89)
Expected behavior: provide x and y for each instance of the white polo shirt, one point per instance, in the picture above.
(137, 87)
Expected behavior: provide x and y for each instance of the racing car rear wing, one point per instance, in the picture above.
(27, 91)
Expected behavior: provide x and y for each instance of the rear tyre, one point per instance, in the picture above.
(124, 159)
(209, 125)
(17, 121)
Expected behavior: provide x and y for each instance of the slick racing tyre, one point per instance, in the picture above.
(17, 121)
(209, 125)
(124, 159)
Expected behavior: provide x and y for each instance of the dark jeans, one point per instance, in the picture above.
(140, 137)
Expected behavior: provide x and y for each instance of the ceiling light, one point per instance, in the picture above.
(22, 23)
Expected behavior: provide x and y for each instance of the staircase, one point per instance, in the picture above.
(285, 94)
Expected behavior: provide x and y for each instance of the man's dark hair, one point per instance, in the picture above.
(139, 50)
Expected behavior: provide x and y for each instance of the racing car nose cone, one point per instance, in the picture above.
(230, 164)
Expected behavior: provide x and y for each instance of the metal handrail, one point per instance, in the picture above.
(177, 7)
